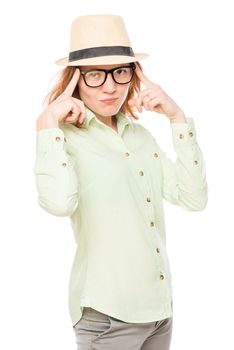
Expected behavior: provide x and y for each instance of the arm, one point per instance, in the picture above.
(56, 181)
(184, 182)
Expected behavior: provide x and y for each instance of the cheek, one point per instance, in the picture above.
(124, 92)
(84, 92)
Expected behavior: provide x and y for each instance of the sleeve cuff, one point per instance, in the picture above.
(51, 139)
(183, 133)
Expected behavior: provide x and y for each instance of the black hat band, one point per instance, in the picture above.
(101, 51)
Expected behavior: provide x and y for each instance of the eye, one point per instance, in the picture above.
(93, 74)
(121, 71)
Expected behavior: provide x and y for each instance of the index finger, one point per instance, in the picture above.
(72, 83)
(143, 77)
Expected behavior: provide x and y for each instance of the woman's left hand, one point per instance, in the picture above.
(153, 98)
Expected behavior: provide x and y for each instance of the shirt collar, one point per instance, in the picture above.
(122, 119)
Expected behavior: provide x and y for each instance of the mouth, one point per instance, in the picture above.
(109, 101)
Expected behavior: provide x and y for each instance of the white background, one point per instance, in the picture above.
(191, 57)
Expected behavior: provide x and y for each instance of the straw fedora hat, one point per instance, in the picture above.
(99, 39)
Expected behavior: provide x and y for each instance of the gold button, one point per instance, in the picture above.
(191, 134)
(181, 136)
(195, 161)
(64, 164)
(148, 199)
(162, 276)
(152, 223)
(65, 139)
(156, 155)
(126, 154)
(157, 249)
(141, 173)
(57, 138)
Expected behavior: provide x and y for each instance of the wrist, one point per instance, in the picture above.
(178, 118)
(46, 120)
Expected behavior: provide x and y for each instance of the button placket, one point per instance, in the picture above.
(159, 262)
(149, 209)
(157, 250)
(145, 188)
(141, 173)
(161, 259)
(152, 222)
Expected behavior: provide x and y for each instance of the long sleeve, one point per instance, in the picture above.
(184, 181)
(54, 168)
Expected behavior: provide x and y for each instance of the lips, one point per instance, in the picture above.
(109, 99)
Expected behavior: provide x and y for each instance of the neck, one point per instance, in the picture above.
(109, 121)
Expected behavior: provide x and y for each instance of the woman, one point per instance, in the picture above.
(108, 174)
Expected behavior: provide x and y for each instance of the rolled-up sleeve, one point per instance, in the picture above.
(54, 168)
(184, 181)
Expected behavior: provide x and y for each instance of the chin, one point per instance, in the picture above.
(107, 110)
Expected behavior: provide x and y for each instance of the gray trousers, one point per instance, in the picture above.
(98, 331)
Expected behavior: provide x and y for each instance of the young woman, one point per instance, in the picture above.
(108, 174)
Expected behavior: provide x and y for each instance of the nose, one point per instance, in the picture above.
(110, 84)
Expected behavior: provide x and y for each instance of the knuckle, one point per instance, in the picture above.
(155, 86)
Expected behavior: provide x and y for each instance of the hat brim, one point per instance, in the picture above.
(101, 60)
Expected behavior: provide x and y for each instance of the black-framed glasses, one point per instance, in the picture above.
(97, 77)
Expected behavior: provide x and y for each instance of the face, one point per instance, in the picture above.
(94, 98)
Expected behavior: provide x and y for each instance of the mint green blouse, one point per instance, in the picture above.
(112, 187)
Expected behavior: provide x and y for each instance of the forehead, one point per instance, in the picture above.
(104, 66)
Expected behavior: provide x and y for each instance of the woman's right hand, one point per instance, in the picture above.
(65, 108)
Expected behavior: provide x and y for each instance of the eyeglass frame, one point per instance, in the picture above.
(107, 71)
